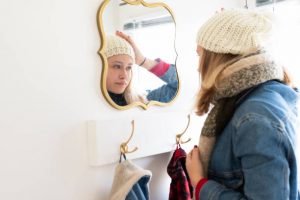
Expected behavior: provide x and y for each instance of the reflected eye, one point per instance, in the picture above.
(128, 68)
(116, 66)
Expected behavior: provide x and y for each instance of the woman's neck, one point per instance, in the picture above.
(118, 98)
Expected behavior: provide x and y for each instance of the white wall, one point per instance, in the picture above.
(49, 87)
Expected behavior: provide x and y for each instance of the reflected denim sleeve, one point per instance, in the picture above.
(170, 76)
(262, 147)
(166, 92)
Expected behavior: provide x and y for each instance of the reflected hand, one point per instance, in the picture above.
(194, 166)
(139, 57)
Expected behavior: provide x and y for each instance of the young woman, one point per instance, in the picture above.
(122, 54)
(247, 145)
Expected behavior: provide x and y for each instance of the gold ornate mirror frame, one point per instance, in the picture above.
(104, 59)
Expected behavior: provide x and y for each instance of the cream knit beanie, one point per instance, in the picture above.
(235, 31)
(116, 45)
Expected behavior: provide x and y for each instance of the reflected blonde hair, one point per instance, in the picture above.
(131, 94)
(210, 67)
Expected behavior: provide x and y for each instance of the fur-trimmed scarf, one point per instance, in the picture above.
(236, 80)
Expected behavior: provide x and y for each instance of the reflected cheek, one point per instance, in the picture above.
(110, 79)
(129, 77)
(116, 85)
(109, 83)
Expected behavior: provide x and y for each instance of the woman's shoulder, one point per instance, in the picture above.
(272, 100)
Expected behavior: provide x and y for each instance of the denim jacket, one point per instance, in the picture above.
(166, 92)
(254, 157)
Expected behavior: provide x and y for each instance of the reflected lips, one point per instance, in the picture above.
(121, 83)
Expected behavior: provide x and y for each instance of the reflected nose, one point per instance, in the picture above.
(123, 74)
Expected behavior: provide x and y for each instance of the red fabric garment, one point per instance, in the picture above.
(160, 68)
(199, 186)
(180, 187)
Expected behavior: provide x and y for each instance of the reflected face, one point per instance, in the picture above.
(119, 73)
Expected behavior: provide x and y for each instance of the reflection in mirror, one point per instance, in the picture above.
(138, 54)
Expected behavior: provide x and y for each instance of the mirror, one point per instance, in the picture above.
(154, 79)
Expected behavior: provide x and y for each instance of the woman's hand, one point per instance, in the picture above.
(139, 57)
(194, 166)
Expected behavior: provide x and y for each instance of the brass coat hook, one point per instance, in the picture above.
(178, 136)
(124, 147)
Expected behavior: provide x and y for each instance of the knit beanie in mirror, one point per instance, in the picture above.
(116, 45)
(236, 31)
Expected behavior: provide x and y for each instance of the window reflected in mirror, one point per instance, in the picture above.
(139, 62)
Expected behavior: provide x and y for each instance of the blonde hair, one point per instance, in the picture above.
(210, 67)
(131, 94)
